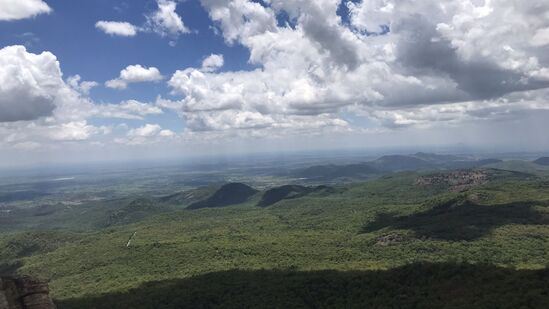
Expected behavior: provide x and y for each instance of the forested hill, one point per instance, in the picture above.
(404, 240)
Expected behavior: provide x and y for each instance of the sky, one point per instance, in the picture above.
(152, 79)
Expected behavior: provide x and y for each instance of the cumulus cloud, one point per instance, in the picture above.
(398, 63)
(29, 84)
(130, 109)
(134, 74)
(212, 63)
(147, 130)
(72, 131)
(39, 109)
(431, 54)
(45, 132)
(390, 58)
(240, 19)
(21, 9)
(37, 106)
(165, 21)
(372, 15)
(79, 85)
(117, 28)
(149, 133)
(509, 107)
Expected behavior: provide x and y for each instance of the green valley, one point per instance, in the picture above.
(425, 236)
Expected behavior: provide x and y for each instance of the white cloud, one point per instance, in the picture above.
(135, 74)
(26, 146)
(511, 106)
(394, 57)
(165, 21)
(39, 110)
(371, 15)
(166, 133)
(117, 28)
(72, 131)
(212, 63)
(394, 64)
(147, 130)
(29, 84)
(21, 9)
(149, 133)
(37, 106)
(240, 19)
(130, 109)
(541, 37)
(46, 132)
(83, 87)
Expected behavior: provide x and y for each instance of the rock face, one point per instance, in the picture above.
(24, 293)
(457, 181)
(390, 239)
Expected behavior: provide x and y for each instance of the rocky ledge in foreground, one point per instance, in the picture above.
(24, 293)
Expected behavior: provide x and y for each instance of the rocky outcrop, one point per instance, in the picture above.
(391, 239)
(456, 181)
(24, 293)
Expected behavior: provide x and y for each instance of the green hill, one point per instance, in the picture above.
(403, 240)
(135, 211)
(438, 158)
(542, 161)
(229, 194)
(521, 166)
(275, 195)
(401, 163)
(389, 164)
(186, 198)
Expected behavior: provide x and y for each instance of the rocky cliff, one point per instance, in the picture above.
(24, 293)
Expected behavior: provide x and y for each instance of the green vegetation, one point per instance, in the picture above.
(286, 192)
(392, 163)
(136, 210)
(186, 198)
(434, 286)
(229, 194)
(542, 161)
(323, 172)
(461, 219)
(389, 242)
(521, 166)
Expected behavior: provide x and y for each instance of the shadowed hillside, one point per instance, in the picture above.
(542, 161)
(445, 285)
(229, 194)
(460, 219)
(278, 194)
